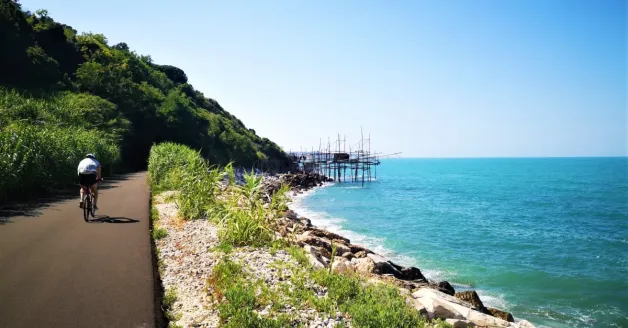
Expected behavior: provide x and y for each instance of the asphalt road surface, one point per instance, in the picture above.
(56, 270)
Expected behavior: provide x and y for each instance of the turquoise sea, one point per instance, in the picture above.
(546, 238)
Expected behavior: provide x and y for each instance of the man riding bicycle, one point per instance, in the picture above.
(89, 174)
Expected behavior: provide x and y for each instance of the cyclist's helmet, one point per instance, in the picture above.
(90, 155)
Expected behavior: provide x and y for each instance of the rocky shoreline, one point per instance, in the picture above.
(189, 252)
(433, 299)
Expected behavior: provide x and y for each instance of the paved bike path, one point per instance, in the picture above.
(56, 270)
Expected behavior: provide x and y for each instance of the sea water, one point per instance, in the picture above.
(546, 239)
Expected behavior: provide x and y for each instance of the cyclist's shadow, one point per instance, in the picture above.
(108, 219)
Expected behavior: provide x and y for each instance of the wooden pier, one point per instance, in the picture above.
(334, 162)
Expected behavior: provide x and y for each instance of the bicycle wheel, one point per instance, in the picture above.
(92, 209)
(87, 204)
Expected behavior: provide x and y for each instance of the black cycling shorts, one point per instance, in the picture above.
(87, 179)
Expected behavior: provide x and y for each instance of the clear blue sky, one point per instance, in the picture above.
(428, 78)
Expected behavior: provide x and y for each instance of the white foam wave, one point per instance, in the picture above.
(492, 300)
(334, 224)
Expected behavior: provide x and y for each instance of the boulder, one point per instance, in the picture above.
(357, 248)
(329, 235)
(500, 314)
(446, 288)
(412, 273)
(470, 296)
(324, 252)
(443, 306)
(525, 324)
(364, 265)
(457, 323)
(342, 249)
(342, 265)
(360, 254)
(290, 214)
(486, 320)
(348, 255)
(412, 285)
(306, 222)
(383, 266)
(317, 260)
(307, 238)
(417, 306)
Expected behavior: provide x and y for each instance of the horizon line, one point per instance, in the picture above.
(507, 157)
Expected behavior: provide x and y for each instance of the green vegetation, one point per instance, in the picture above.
(239, 211)
(64, 94)
(367, 305)
(167, 303)
(159, 233)
(237, 298)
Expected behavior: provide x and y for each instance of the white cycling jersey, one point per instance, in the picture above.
(88, 166)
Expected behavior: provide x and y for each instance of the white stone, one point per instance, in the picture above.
(364, 265)
(525, 324)
(341, 265)
(443, 306)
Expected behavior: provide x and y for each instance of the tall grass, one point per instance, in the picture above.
(40, 151)
(42, 158)
(209, 192)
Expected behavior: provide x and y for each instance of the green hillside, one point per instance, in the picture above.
(63, 94)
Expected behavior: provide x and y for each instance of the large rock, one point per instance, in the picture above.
(323, 251)
(500, 314)
(457, 323)
(329, 235)
(290, 214)
(364, 265)
(317, 260)
(525, 324)
(412, 285)
(470, 296)
(307, 238)
(360, 254)
(410, 301)
(342, 249)
(413, 273)
(341, 265)
(382, 266)
(357, 249)
(446, 288)
(348, 255)
(443, 306)
(305, 222)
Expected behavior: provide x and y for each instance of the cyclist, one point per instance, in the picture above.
(89, 173)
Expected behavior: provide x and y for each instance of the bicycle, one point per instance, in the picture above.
(88, 202)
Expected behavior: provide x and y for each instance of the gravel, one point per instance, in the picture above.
(188, 259)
